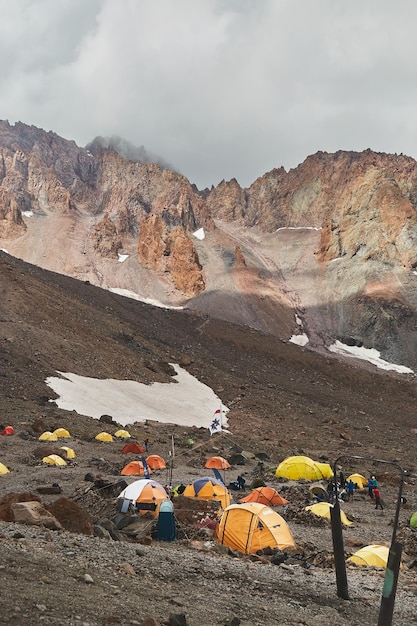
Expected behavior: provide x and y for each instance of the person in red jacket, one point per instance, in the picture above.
(377, 496)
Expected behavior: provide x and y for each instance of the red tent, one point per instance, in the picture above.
(9, 430)
(134, 448)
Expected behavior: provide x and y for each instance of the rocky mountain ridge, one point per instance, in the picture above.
(327, 249)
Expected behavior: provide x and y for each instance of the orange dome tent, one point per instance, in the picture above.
(207, 488)
(251, 527)
(134, 468)
(155, 462)
(145, 492)
(217, 462)
(265, 495)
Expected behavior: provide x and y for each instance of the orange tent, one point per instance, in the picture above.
(207, 488)
(135, 468)
(217, 462)
(265, 495)
(145, 492)
(155, 462)
(134, 448)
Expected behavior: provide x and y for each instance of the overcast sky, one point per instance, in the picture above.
(217, 88)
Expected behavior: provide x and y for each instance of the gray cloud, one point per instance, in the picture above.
(218, 88)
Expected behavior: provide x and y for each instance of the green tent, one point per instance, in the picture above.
(413, 520)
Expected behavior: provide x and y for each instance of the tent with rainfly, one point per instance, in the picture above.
(265, 495)
(4, 469)
(207, 488)
(322, 509)
(252, 526)
(135, 468)
(103, 436)
(297, 467)
(413, 520)
(62, 433)
(358, 479)
(372, 555)
(132, 448)
(145, 492)
(54, 459)
(155, 462)
(48, 436)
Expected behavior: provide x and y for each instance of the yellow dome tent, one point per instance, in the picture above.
(358, 479)
(54, 459)
(322, 509)
(68, 451)
(4, 469)
(62, 433)
(252, 526)
(104, 437)
(297, 467)
(48, 436)
(123, 434)
(372, 555)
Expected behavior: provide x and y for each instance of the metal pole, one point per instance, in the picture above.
(339, 551)
(390, 585)
(389, 589)
(394, 556)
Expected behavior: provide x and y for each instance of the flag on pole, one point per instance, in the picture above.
(215, 425)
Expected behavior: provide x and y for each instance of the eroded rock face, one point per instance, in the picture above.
(165, 250)
(73, 210)
(106, 240)
(364, 202)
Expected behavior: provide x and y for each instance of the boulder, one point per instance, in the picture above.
(34, 513)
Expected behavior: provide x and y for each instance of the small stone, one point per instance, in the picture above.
(88, 579)
(46, 580)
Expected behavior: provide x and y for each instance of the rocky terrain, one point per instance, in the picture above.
(327, 249)
(283, 400)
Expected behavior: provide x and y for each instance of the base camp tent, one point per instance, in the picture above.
(373, 555)
(413, 520)
(322, 509)
(358, 480)
(135, 468)
(297, 467)
(251, 526)
(145, 494)
(133, 448)
(265, 495)
(207, 488)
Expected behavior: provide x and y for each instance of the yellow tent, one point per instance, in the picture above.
(4, 469)
(325, 469)
(296, 467)
(373, 555)
(62, 433)
(358, 479)
(48, 436)
(68, 451)
(252, 526)
(104, 437)
(322, 509)
(123, 434)
(54, 459)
